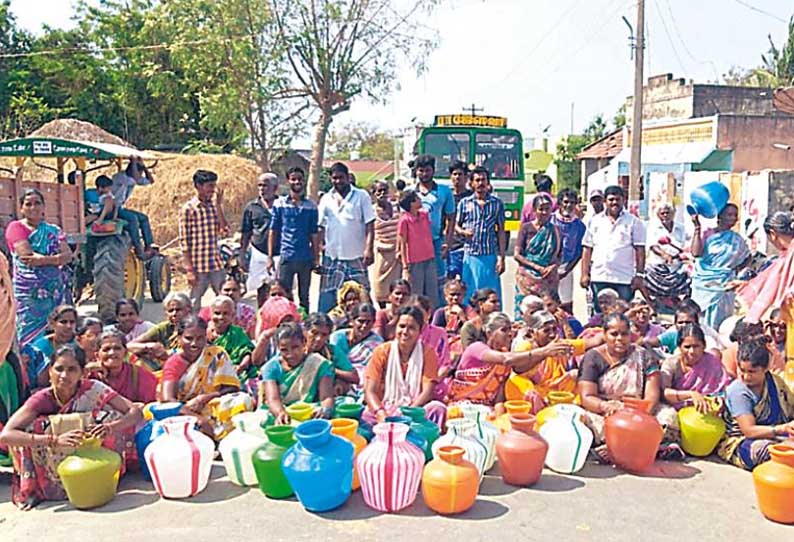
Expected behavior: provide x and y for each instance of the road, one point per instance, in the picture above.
(703, 500)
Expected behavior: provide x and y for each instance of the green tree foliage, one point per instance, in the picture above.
(339, 50)
(362, 138)
(776, 69)
(567, 166)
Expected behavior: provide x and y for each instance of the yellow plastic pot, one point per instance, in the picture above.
(700, 433)
(517, 386)
(90, 475)
(300, 412)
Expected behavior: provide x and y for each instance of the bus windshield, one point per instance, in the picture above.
(447, 147)
(499, 153)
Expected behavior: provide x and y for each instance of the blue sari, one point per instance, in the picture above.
(723, 253)
(38, 290)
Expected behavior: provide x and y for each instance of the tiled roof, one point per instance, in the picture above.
(607, 147)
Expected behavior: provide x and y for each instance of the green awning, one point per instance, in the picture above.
(47, 147)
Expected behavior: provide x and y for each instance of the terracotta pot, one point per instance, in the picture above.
(450, 483)
(774, 484)
(348, 430)
(633, 436)
(521, 452)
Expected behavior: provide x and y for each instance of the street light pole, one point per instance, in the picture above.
(635, 175)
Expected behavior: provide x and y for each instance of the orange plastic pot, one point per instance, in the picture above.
(516, 406)
(348, 430)
(633, 436)
(774, 484)
(450, 483)
(521, 451)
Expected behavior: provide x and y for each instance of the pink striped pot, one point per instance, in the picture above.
(181, 459)
(390, 469)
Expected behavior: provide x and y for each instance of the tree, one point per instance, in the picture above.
(567, 172)
(342, 49)
(776, 69)
(619, 120)
(362, 138)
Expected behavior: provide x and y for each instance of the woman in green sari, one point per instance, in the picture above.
(296, 376)
(232, 338)
(537, 253)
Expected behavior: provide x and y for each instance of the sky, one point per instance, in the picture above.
(538, 61)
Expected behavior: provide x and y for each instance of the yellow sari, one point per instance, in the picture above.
(551, 375)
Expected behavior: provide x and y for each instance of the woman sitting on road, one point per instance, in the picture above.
(128, 320)
(55, 420)
(403, 372)
(203, 378)
(232, 338)
(759, 408)
(86, 335)
(386, 319)
(352, 350)
(35, 356)
(137, 384)
(162, 340)
(348, 297)
(244, 315)
(483, 302)
(296, 376)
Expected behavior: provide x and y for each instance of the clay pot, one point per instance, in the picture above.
(633, 436)
(774, 484)
(450, 483)
(521, 452)
(347, 429)
(90, 475)
(700, 433)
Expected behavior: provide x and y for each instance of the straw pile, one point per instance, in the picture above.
(78, 130)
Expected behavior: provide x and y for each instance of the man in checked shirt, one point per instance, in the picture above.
(201, 222)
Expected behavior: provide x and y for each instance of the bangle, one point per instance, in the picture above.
(774, 430)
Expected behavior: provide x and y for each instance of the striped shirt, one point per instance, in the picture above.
(198, 233)
(482, 220)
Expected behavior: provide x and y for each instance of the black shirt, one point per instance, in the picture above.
(458, 240)
(256, 222)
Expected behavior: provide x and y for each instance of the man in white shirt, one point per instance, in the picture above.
(614, 249)
(347, 224)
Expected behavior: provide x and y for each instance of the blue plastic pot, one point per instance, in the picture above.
(152, 430)
(708, 200)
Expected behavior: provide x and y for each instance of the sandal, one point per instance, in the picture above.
(671, 452)
(601, 455)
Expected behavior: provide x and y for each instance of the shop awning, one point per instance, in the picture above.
(677, 153)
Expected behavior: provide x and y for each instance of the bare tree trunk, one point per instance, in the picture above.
(318, 152)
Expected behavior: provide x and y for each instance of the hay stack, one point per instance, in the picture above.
(77, 130)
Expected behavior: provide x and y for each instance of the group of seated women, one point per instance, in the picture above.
(90, 381)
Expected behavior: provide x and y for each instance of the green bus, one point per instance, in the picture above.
(484, 141)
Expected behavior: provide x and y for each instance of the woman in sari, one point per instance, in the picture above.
(232, 338)
(35, 356)
(276, 310)
(694, 377)
(352, 350)
(86, 336)
(137, 384)
(403, 372)
(759, 409)
(40, 253)
(244, 315)
(296, 376)
(349, 295)
(537, 252)
(203, 378)
(386, 319)
(433, 336)
(485, 366)
(155, 346)
(482, 303)
(128, 320)
(55, 420)
(612, 372)
(720, 253)
(387, 266)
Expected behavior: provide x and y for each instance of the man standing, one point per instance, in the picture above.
(201, 221)
(348, 222)
(439, 202)
(255, 227)
(614, 249)
(294, 233)
(596, 206)
(124, 182)
(481, 221)
(572, 231)
(459, 175)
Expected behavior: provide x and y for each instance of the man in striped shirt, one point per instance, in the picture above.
(481, 222)
(201, 221)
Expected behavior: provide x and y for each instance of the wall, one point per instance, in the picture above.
(664, 97)
(752, 139)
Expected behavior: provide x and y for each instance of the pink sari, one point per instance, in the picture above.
(707, 377)
(769, 288)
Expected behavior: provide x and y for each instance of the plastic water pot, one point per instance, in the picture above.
(700, 433)
(708, 200)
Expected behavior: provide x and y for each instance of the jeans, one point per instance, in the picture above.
(286, 277)
(138, 224)
(441, 268)
(212, 279)
(625, 291)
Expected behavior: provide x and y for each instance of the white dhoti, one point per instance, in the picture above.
(257, 269)
(565, 288)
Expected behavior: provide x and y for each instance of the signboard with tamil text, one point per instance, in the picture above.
(463, 119)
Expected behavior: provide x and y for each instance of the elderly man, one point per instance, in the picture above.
(614, 249)
(222, 332)
(255, 228)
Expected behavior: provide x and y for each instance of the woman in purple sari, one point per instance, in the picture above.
(694, 377)
(40, 254)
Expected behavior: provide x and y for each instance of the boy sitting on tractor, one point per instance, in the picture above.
(106, 212)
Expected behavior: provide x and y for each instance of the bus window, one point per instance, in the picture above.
(500, 154)
(447, 147)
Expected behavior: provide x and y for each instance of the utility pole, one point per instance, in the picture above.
(635, 175)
